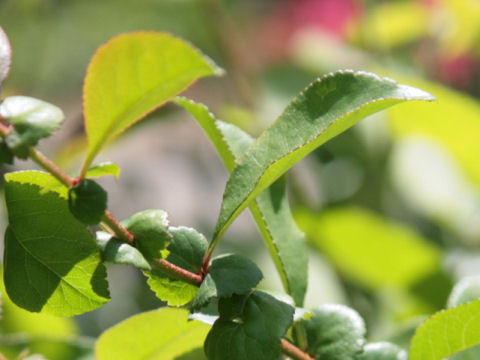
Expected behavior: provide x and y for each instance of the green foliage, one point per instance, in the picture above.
(104, 168)
(5, 57)
(372, 251)
(325, 109)
(383, 351)
(335, 332)
(42, 231)
(87, 201)
(32, 119)
(131, 76)
(186, 250)
(271, 211)
(256, 333)
(163, 334)
(228, 274)
(150, 229)
(116, 251)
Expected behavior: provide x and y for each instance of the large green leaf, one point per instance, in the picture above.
(370, 250)
(52, 264)
(447, 333)
(255, 335)
(164, 334)
(5, 57)
(335, 332)
(130, 76)
(271, 211)
(326, 108)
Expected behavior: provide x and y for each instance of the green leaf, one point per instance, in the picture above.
(119, 252)
(105, 168)
(132, 75)
(5, 57)
(325, 109)
(6, 156)
(227, 275)
(271, 211)
(87, 201)
(174, 292)
(32, 119)
(52, 265)
(383, 351)
(255, 335)
(187, 248)
(150, 229)
(335, 332)
(370, 250)
(466, 290)
(163, 334)
(447, 333)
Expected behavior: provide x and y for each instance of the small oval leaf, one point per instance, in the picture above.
(87, 201)
(383, 351)
(466, 290)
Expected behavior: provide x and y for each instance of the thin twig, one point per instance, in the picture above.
(294, 352)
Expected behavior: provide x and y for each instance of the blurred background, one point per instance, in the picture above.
(391, 208)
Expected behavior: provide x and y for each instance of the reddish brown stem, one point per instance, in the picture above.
(175, 270)
(294, 352)
(117, 228)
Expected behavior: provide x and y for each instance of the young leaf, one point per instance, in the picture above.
(466, 290)
(383, 351)
(335, 332)
(227, 275)
(87, 201)
(117, 251)
(130, 76)
(370, 250)
(150, 229)
(105, 168)
(255, 335)
(325, 109)
(447, 333)
(271, 211)
(52, 265)
(186, 250)
(164, 334)
(5, 57)
(32, 119)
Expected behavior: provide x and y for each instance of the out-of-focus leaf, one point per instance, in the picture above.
(5, 57)
(164, 334)
(103, 169)
(119, 252)
(130, 76)
(447, 332)
(394, 24)
(452, 122)
(370, 250)
(466, 290)
(335, 332)
(32, 119)
(326, 108)
(52, 265)
(227, 275)
(271, 211)
(257, 333)
(383, 351)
